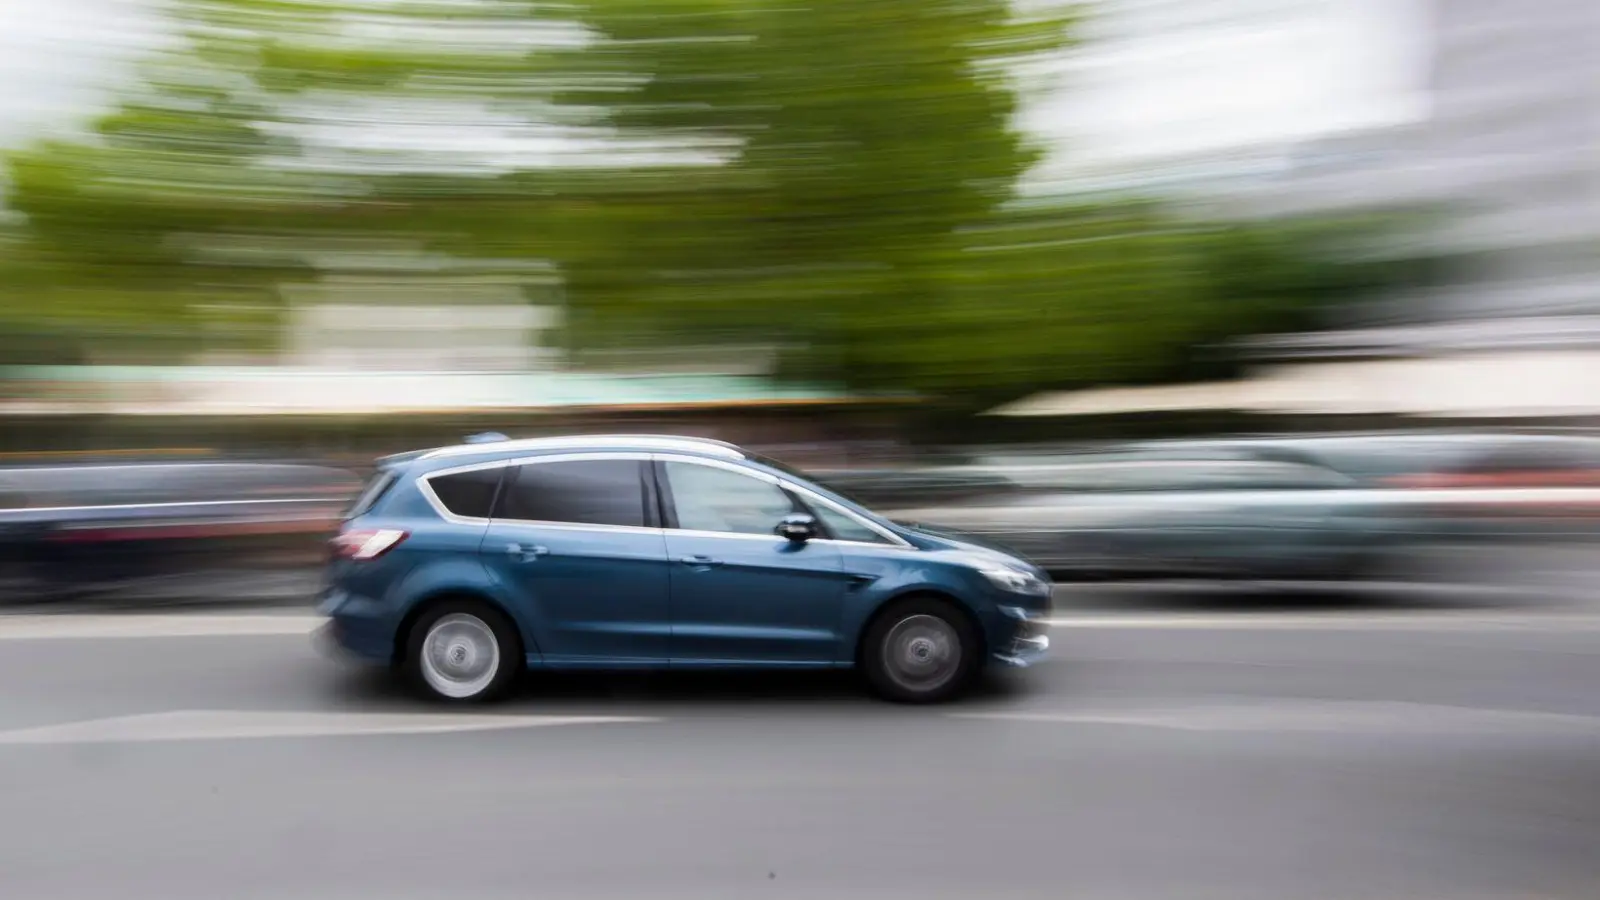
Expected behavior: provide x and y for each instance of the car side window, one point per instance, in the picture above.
(846, 528)
(578, 492)
(708, 498)
(469, 494)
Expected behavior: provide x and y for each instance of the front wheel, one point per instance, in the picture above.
(463, 652)
(920, 651)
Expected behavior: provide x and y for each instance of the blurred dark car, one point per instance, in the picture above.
(74, 531)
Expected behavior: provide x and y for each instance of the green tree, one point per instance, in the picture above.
(868, 214)
(864, 141)
(839, 179)
(222, 174)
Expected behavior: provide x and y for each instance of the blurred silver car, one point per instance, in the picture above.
(1312, 507)
(1132, 517)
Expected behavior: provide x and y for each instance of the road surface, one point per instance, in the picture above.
(1448, 755)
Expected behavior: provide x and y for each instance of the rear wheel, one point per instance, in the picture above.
(920, 651)
(463, 651)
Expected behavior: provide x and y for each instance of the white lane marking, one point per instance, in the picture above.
(1320, 717)
(139, 625)
(1354, 621)
(204, 725)
(27, 628)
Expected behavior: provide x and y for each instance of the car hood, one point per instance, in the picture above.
(943, 539)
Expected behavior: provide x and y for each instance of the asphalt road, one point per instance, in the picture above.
(1341, 756)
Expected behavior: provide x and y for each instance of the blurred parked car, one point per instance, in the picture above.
(921, 486)
(1199, 514)
(1320, 506)
(69, 531)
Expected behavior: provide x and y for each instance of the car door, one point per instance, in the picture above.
(576, 541)
(740, 593)
(1258, 517)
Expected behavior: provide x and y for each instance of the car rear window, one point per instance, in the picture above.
(376, 486)
(580, 492)
(469, 494)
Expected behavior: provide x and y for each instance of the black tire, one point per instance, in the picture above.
(507, 665)
(887, 636)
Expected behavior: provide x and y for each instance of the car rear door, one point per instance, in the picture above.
(575, 540)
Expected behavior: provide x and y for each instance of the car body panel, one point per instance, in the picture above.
(940, 566)
(592, 597)
(755, 599)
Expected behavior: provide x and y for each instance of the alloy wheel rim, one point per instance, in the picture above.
(922, 653)
(460, 656)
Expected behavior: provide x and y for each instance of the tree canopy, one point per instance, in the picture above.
(838, 179)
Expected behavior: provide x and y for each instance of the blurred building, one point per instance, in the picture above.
(1503, 146)
(1484, 111)
(502, 336)
(1174, 93)
(1509, 153)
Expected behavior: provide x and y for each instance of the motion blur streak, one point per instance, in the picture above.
(1268, 327)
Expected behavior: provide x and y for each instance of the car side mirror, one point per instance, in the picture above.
(797, 527)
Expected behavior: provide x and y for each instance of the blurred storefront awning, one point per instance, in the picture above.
(1120, 401)
(1517, 384)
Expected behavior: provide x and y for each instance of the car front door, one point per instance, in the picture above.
(740, 593)
(1252, 517)
(576, 541)
(1296, 519)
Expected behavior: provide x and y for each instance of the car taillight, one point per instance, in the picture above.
(365, 545)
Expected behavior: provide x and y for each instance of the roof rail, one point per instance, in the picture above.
(646, 441)
(680, 438)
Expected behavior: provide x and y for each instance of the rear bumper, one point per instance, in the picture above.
(356, 628)
(338, 637)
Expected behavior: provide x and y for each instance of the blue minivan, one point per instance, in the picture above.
(463, 566)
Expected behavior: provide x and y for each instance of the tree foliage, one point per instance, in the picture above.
(836, 178)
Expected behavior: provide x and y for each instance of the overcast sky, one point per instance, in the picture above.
(59, 57)
(1253, 70)
(1304, 68)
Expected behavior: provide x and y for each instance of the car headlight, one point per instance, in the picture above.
(1017, 582)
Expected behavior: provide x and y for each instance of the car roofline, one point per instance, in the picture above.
(643, 442)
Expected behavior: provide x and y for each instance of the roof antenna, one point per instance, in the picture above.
(486, 437)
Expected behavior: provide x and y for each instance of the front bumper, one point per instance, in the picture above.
(1029, 640)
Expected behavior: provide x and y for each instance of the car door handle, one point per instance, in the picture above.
(700, 562)
(527, 554)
